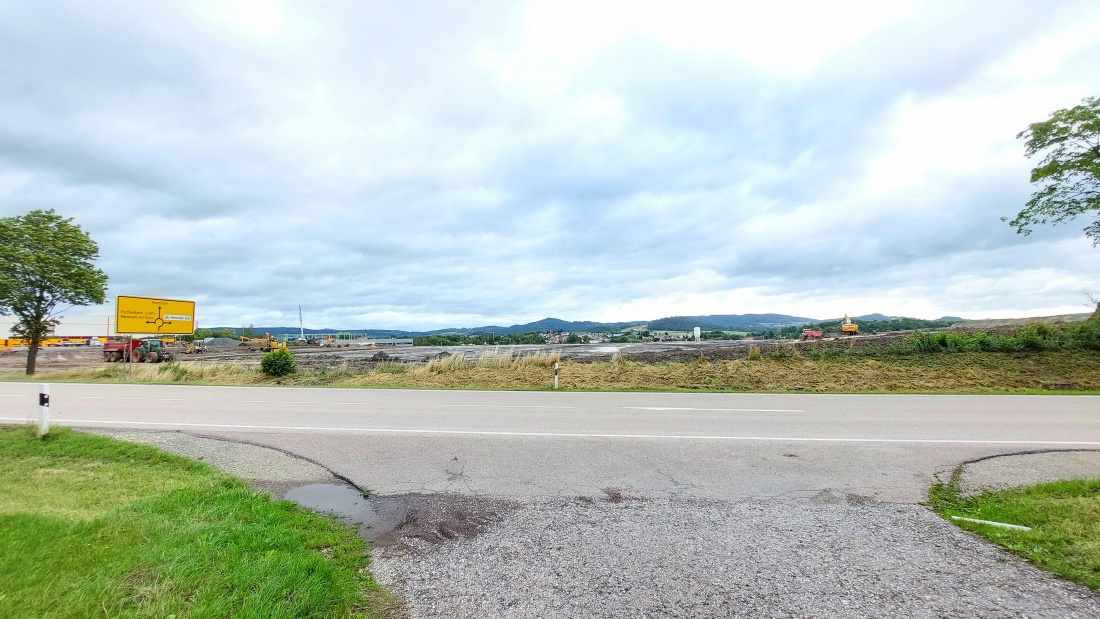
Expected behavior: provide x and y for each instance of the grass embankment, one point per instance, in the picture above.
(962, 372)
(92, 527)
(1064, 516)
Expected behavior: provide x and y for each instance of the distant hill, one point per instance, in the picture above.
(710, 322)
(885, 318)
(877, 317)
(546, 324)
(728, 322)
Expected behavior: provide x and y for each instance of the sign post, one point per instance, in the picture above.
(43, 409)
(147, 316)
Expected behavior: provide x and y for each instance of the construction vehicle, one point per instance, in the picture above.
(119, 350)
(194, 348)
(150, 350)
(272, 343)
(848, 327)
(809, 334)
(267, 343)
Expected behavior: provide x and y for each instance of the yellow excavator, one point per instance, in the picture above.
(271, 343)
(848, 327)
(267, 343)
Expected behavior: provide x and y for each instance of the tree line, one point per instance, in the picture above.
(475, 339)
(865, 326)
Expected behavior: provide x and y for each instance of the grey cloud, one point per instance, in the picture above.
(365, 165)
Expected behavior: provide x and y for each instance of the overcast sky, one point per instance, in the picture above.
(427, 164)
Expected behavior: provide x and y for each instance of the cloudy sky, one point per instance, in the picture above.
(428, 164)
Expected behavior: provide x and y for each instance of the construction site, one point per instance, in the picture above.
(359, 353)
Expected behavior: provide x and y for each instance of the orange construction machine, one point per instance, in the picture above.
(848, 327)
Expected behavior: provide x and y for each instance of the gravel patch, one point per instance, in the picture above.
(269, 470)
(1017, 470)
(696, 558)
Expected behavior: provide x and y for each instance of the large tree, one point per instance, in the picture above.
(46, 267)
(1070, 171)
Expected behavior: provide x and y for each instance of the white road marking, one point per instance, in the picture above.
(111, 397)
(290, 402)
(732, 410)
(749, 394)
(501, 406)
(703, 437)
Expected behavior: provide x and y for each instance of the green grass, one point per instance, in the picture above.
(92, 527)
(1064, 516)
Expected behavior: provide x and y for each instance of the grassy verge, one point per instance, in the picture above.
(1064, 516)
(961, 372)
(92, 527)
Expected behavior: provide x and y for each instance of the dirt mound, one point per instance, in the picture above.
(992, 323)
(222, 342)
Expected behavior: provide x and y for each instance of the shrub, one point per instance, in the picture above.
(1086, 334)
(1034, 337)
(278, 363)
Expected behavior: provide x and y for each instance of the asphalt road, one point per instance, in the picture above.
(546, 444)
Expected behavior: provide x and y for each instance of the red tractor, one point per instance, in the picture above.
(809, 334)
(151, 350)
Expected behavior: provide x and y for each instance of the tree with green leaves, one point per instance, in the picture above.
(46, 268)
(1070, 171)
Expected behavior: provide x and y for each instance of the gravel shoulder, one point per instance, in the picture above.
(828, 557)
(1016, 470)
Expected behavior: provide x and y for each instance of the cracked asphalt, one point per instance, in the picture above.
(635, 504)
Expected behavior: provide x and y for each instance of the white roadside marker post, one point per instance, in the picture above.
(43, 409)
(1002, 525)
(557, 367)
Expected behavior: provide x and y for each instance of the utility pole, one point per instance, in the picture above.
(301, 327)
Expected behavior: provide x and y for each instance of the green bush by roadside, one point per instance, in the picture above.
(1087, 334)
(278, 363)
(1034, 337)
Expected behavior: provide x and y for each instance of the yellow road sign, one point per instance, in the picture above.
(142, 315)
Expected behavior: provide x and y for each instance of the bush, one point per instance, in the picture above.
(1034, 337)
(1086, 335)
(278, 363)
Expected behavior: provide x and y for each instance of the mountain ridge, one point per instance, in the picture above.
(708, 322)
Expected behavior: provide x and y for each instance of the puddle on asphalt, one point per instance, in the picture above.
(375, 517)
(393, 520)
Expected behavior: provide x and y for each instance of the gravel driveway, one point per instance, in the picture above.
(779, 558)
